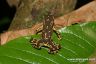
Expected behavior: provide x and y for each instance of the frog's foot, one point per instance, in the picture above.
(35, 43)
(54, 48)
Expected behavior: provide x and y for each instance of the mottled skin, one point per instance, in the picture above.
(47, 31)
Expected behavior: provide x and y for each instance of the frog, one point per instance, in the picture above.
(46, 35)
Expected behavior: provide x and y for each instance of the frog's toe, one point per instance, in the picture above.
(34, 46)
(58, 46)
(34, 40)
(52, 51)
(37, 47)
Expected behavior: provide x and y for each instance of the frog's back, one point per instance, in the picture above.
(48, 24)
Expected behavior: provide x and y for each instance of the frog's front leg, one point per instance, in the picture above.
(57, 33)
(39, 30)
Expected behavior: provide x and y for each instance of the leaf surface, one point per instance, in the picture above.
(78, 43)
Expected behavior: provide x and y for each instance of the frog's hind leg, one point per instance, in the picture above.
(37, 43)
(54, 47)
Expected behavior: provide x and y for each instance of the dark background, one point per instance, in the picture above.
(7, 13)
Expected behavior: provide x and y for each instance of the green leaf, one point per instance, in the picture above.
(78, 44)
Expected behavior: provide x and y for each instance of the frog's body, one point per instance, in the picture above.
(47, 27)
(47, 31)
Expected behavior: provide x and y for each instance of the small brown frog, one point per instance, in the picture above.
(46, 35)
